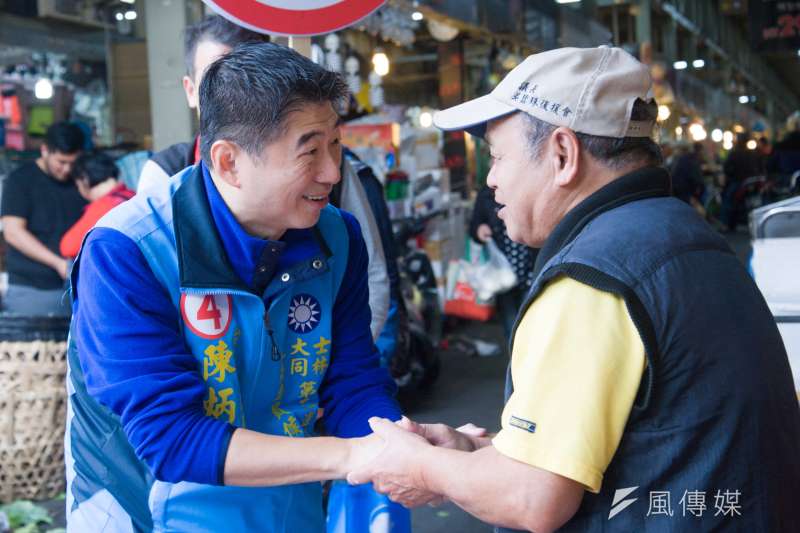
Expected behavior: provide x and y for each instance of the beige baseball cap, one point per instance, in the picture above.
(589, 90)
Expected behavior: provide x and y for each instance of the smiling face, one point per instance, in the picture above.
(288, 184)
(523, 185)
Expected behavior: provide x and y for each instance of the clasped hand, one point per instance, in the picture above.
(393, 458)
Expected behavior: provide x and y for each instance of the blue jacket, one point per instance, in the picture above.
(716, 414)
(185, 328)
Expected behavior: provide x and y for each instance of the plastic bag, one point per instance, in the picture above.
(461, 296)
(494, 274)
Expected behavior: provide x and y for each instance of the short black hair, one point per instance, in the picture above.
(94, 168)
(64, 137)
(246, 95)
(615, 153)
(216, 29)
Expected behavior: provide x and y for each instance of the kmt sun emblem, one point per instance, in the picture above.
(304, 313)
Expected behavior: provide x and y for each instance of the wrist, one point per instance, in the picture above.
(344, 460)
(425, 475)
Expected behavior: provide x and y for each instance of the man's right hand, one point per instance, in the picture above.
(484, 232)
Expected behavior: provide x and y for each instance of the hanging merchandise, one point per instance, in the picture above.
(317, 54)
(333, 59)
(392, 24)
(352, 67)
(91, 105)
(10, 106)
(362, 98)
(40, 118)
(375, 90)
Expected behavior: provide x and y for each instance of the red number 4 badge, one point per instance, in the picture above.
(207, 315)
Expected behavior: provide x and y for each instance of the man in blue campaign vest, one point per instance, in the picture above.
(648, 389)
(217, 314)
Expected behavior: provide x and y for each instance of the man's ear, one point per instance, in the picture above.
(191, 92)
(223, 160)
(566, 156)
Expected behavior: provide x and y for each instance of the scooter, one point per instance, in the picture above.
(416, 364)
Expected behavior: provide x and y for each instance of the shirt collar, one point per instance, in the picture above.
(254, 260)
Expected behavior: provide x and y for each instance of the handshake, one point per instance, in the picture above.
(396, 456)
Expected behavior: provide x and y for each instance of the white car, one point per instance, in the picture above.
(775, 265)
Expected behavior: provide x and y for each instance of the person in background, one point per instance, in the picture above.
(40, 203)
(485, 225)
(204, 42)
(785, 158)
(375, 198)
(687, 176)
(741, 164)
(96, 178)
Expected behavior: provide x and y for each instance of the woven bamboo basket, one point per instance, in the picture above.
(33, 365)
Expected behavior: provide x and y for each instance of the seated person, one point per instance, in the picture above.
(96, 178)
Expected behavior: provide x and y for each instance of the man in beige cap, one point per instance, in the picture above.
(647, 373)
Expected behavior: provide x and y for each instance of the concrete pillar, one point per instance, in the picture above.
(670, 40)
(171, 117)
(644, 24)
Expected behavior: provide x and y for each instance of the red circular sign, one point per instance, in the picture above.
(294, 17)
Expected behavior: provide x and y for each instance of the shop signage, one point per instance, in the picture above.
(774, 25)
(294, 17)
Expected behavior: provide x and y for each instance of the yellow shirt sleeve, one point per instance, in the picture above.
(576, 364)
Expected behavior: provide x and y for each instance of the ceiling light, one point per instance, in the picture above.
(727, 137)
(698, 63)
(680, 65)
(697, 132)
(663, 113)
(130, 15)
(716, 135)
(744, 99)
(380, 61)
(43, 89)
(751, 144)
(425, 119)
(416, 15)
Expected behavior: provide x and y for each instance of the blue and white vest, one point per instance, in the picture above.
(262, 371)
